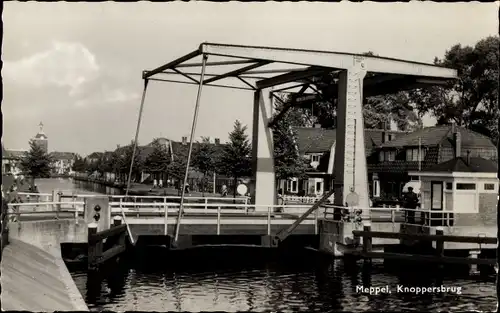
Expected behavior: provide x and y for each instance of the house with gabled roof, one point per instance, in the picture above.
(11, 160)
(438, 144)
(62, 162)
(318, 146)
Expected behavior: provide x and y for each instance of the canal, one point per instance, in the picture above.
(260, 280)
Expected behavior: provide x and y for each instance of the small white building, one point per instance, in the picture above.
(465, 187)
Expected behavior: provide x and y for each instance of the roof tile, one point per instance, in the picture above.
(430, 136)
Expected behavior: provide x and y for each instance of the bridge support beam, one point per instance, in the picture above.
(263, 183)
(350, 158)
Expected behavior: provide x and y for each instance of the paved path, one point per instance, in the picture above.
(37, 281)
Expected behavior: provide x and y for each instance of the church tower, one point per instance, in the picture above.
(41, 139)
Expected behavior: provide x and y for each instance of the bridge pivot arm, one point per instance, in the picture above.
(283, 234)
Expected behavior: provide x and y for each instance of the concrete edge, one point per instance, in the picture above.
(73, 292)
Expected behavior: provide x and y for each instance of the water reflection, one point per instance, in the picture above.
(255, 280)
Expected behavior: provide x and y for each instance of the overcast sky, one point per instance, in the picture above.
(77, 66)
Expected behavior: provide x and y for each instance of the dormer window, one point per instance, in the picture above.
(387, 156)
(412, 154)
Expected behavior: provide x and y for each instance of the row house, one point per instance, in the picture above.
(318, 146)
(11, 161)
(173, 149)
(421, 150)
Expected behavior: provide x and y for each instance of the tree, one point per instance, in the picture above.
(110, 162)
(36, 162)
(235, 159)
(125, 159)
(377, 110)
(383, 110)
(204, 159)
(177, 168)
(471, 100)
(287, 160)
(79, 165)
(158, 160)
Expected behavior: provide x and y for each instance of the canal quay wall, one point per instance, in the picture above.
(34, 275)
(37, 280)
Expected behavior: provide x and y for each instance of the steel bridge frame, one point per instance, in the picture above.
(357, 76)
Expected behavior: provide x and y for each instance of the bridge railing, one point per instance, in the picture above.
(137, 205)
(418, 216)
(219, 212)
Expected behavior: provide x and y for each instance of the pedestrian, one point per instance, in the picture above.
(281, 202)
(224, 191)
(160, 184)
(155, 183)
(410, 202)
(352, 202)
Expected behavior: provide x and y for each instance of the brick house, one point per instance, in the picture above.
(318, 146)
(62, 162)
(465, 189)
(389, 167)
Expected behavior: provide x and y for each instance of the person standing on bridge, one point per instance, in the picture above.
(411, 202)
(224, 191)
(352, 202)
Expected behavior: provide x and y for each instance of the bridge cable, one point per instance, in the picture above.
(193, 129)
(146, 81)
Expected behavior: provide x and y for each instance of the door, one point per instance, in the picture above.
(436, 203)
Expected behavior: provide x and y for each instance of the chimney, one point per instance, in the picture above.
(184, 140)
(217, 141)
(317, 125)
(457, 140)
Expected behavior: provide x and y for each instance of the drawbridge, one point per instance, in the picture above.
(268, 71)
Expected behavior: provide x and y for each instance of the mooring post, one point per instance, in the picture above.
(93, 252)
(473, 269)
(117, 221)
(439, 242)
(367, 241)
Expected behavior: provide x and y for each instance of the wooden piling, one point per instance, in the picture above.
(440, 245)
(473, 268)
(439, 242)
(367, 241)
(117, 221)
(94, 247)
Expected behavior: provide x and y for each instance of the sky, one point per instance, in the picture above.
(77, 67)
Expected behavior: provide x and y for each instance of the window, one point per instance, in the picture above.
(463, 186)
(390, 155)
(412, 154)
(489, 186)
(381, 156)
(318, 186)
(389, 137)
(294, 186)
(315, 158)
(449, 186)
